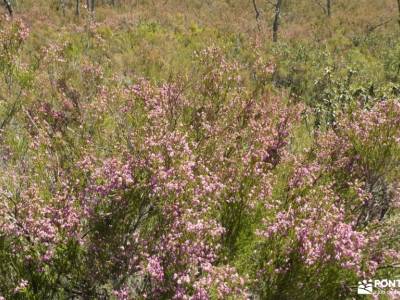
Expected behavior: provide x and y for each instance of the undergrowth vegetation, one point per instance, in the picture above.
(172, 151)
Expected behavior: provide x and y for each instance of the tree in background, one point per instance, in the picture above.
(398, 5)
(8, 6)
(328, 7)
(276, 23)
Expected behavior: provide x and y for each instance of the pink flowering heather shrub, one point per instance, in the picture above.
(340, 202)
(119, 187)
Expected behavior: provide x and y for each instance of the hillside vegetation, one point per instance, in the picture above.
(172, 150)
